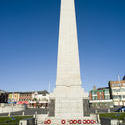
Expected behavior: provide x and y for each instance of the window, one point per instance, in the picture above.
(94, 98)
(107, 91)
(117, 97)
(116, 90)
(107, 97)
(122, 89)
(93, 92)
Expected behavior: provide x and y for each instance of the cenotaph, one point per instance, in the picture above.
(68, 93)
(67, 100)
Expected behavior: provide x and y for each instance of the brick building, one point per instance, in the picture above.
(25, 97)
(100, 98)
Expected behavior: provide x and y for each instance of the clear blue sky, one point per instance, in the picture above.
(29, 39)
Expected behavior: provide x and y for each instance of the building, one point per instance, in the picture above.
(100, 98)
(25, 97)
(34, 99)
(28, 97)
(3, 96)
(40, 99)
(13, 97)
(124, 78)
(117, 90)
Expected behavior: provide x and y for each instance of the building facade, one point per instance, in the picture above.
(40, 99)
(117, 90)
(3, 97)
(124, 78)
(100, 98)
(13, 97)
(25, 97)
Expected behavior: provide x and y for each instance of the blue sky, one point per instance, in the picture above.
(29, 38)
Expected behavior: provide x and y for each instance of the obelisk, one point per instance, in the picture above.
(68, 93)
(68, 69)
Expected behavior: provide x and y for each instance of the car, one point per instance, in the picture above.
(121, 109)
